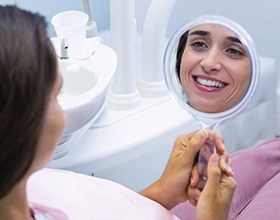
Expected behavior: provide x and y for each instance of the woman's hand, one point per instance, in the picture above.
(215, 199)
(171, 188)
(197, 182)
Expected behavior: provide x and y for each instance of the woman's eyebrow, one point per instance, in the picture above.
(200, 32)
(234, 39)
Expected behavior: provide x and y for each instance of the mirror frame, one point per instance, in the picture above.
(210, 119)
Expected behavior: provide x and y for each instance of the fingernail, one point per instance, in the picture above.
(229, 167)
(223, 146)
(200, 134)
(192, 181)
(223, 164)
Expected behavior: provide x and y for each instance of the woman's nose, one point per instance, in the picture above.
(211, 61)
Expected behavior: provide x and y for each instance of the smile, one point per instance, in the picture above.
(210, 83)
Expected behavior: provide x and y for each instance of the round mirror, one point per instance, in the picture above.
(212, 69)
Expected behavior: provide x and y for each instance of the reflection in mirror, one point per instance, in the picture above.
(211, 69)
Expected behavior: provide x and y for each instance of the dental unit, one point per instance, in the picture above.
(117, 125)
(91, 24)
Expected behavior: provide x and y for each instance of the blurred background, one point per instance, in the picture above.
(260, 18)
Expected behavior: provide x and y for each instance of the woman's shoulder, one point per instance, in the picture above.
(86, 197)
(41, 212)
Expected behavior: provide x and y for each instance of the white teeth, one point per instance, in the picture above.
(212, 83)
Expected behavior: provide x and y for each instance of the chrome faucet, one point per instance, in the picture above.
(91, 25)
(64, 49)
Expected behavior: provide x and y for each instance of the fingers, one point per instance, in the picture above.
(214, 174)
(215, 199)
(193, 202)
(225, 165)
(195, 140)
(193, 193)
(219, 143)
(225, 161)
(229, 183)
(182, 141)
(195, 144)
(194, 176)
(215, 143)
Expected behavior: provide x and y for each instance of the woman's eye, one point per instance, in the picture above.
(234, 52)
(198, 45)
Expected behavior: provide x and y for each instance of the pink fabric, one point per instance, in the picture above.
(85, 197)
(43, 212)
(265, 204)
(255, 169)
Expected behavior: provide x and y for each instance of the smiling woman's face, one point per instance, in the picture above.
(215, 68)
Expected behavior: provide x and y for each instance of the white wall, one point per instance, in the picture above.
(261, 18)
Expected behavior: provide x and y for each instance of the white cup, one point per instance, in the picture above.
(71, 26)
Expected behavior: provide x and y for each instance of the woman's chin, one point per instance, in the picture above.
(206, 107)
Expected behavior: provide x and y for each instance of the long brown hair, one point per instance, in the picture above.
(181, 47)
(28, 69)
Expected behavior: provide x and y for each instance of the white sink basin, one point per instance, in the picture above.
(77, 83)
(83, 94)
(79, 95)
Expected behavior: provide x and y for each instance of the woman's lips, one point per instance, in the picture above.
(209, 85)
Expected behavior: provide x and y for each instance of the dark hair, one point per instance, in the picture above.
(28, 70)
(181, 47)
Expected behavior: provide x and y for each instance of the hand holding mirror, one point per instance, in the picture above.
(211, 69)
